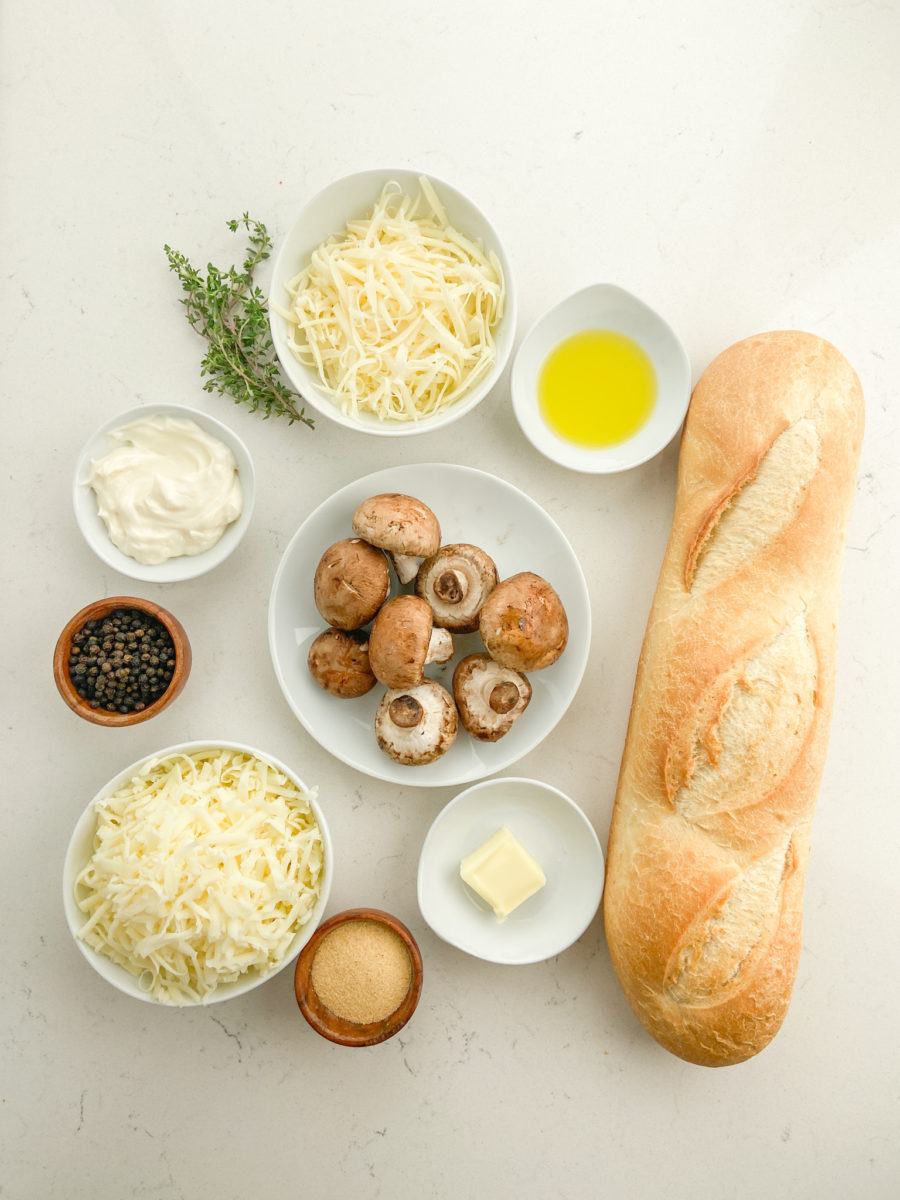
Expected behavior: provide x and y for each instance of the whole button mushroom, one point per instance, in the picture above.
(403, 526)
(523, 623)
(339, 663)
(351, 583)
(416, 725)
(456, 582)
(489, 697)
(403, 640)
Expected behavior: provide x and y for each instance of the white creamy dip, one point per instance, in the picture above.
(168, 489)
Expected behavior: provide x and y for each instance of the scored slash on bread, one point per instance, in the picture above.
(733, 698)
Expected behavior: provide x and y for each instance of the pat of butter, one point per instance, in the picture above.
(502, 872)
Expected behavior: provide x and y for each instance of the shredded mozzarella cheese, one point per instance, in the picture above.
(204, 866)
(397, 313)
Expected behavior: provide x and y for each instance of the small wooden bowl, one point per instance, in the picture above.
(102, 608)
(338, 1029)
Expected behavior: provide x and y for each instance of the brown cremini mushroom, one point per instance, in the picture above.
(351, 583)
(489, 697)
(416, 725)
(339, 663)
(402, 526)
(403, 640)
(523, 623)
(456, 582)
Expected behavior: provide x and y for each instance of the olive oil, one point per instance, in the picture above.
(596, 388)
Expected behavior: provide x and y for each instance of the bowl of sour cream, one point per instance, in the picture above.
(163, 492)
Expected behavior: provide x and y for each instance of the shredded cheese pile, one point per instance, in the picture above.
(397, 313)
(204, 866)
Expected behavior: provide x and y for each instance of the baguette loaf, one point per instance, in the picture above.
(729, 722)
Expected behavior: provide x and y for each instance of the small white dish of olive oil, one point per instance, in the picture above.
(601, 382)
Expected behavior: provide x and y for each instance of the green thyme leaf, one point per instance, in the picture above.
(231, 313)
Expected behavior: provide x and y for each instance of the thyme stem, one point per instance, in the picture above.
(230, 312)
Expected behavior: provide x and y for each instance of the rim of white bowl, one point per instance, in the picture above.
(303, 379)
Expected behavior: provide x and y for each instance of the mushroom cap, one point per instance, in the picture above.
(456, 582)
(416, 725)
(489, 697)
(523, 623)
(399, 524)
(351, 583)
(398, 642)
(339, 663)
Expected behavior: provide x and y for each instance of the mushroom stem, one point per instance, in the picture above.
(451, 587)
(405, 712)
(504, 697)
(440, 646)
(406, 566)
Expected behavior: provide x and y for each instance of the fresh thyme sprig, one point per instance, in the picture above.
(230, 312)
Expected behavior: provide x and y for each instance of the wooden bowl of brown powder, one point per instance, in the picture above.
(359, 977)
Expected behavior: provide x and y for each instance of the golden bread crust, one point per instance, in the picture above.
(732, 703)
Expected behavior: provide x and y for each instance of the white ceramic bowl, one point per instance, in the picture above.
(471, 506)
(327, 214)
(184, 566)
(81, 846)
(554, 830)
(603, 306)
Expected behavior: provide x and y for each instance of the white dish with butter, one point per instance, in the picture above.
(603, 307)
(182, 565)
(553, 830)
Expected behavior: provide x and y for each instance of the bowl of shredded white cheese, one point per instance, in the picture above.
(392, 305)
(197, 873)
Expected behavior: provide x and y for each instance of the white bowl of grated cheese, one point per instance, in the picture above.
(392, 305)
(197, 873)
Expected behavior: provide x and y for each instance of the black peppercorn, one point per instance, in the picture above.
(110, 661)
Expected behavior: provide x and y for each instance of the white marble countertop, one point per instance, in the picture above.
(735, 166)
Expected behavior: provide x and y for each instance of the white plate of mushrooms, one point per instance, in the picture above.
(429, 624)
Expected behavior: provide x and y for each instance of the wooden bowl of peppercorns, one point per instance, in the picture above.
(121, 661)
